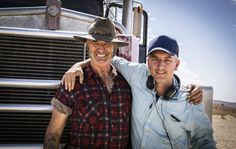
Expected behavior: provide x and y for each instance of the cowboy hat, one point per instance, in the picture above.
(102, 29)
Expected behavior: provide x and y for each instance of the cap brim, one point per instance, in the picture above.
(84, 37)
(161, 49)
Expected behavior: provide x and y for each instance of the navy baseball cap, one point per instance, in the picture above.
(164, 43)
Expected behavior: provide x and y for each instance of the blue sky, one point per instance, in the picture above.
(206, 33)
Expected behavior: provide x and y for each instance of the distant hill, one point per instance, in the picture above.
(224, 108)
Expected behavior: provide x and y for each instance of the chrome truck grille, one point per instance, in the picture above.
(37, 58)
(25, 109)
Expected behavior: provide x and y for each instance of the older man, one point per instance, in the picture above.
(100, 107)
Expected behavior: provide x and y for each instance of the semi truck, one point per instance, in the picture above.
(37, 47)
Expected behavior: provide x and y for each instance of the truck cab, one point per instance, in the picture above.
(37, 48)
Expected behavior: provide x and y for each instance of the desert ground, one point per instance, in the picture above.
(224, 125)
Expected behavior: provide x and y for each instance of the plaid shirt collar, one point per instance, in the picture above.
(90, 72)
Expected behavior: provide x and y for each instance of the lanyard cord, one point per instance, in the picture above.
(162, 120)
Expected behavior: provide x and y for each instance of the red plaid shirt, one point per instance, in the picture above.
(99, 119)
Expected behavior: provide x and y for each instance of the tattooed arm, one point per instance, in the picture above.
(54, 130)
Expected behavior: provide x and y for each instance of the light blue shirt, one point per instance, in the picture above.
(186, 124)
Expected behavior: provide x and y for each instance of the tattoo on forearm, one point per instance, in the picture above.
(50, 142)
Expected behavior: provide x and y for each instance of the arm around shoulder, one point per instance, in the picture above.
(75, 71)
(126, 68)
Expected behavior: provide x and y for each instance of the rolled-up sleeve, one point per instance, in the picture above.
(63, 101)
(61, 107)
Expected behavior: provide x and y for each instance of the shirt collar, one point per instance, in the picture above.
(91, 73)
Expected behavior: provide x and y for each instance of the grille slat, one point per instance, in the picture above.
(25, 67)
(36, 41)
(25, 127)
(36, 56)
(60, 47)
(21, 75)
(25, 63)
(13, 52)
